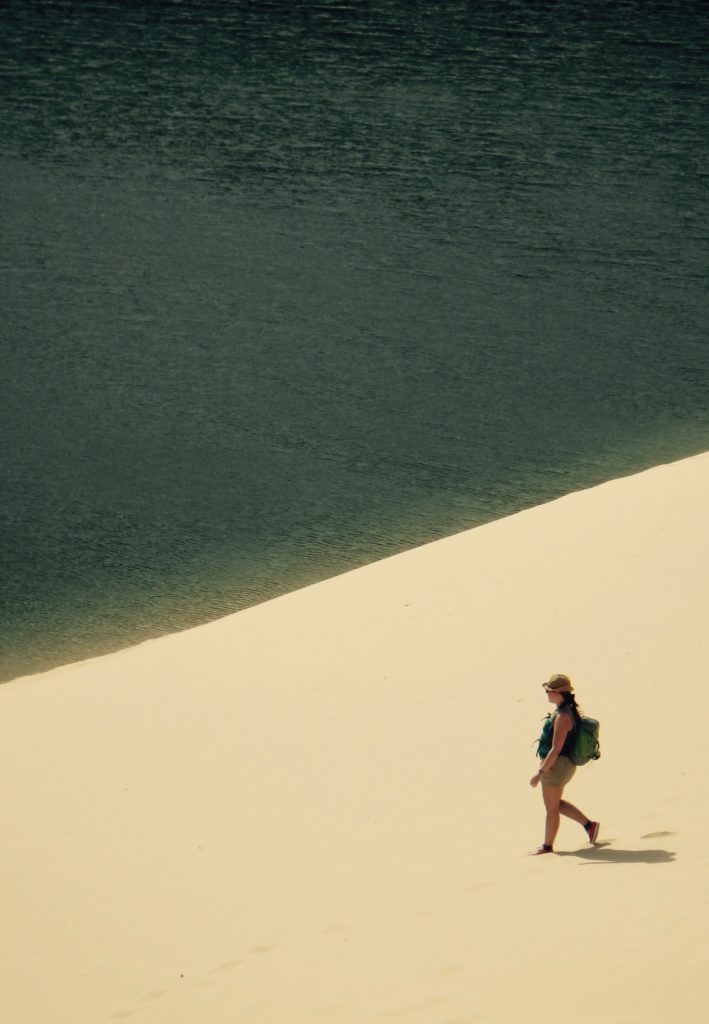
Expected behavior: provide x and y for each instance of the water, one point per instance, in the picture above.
(289, 287)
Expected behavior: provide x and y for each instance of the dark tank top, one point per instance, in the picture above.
(547, 736)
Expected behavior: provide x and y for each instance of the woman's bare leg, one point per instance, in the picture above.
(552, 801)
(569, 811)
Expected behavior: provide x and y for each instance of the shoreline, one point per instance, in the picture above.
(136, 612)
(318, 807)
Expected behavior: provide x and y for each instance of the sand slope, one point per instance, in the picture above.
(318, 809)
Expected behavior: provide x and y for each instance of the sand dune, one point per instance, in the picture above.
(319, 810)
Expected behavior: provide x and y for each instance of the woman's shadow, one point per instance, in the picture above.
(606, 853)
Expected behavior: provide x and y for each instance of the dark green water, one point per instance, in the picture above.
(289, 287)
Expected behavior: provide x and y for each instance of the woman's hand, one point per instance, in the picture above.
(535, 780)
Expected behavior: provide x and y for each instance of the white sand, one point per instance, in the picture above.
(319, 810)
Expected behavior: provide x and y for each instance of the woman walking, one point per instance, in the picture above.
(556, 769)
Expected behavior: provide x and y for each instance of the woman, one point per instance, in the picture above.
(555, 745)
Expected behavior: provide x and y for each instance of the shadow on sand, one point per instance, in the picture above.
(605, 853)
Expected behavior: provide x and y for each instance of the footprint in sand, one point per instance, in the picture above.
(150, 997)
(656, 835)
(478, 885)
(231, 965)
(228, 965)
(452, 969)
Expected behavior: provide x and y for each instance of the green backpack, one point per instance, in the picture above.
(586, 747)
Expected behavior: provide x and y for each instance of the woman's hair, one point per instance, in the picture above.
(569, 704)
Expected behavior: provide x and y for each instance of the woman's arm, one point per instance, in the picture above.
(562, 727)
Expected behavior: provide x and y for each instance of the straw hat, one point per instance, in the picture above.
(559, 683)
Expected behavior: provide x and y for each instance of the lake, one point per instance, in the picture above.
(290, 287)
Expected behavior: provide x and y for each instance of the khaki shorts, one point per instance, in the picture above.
(561, 772)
